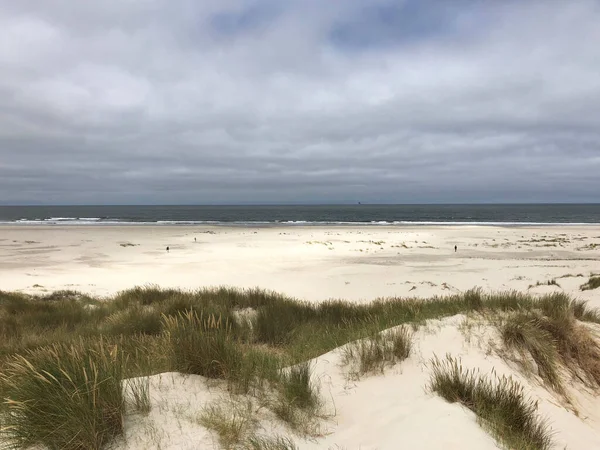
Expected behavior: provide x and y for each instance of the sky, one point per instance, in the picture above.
(299, 101)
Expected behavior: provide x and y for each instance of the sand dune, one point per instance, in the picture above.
(380, 411)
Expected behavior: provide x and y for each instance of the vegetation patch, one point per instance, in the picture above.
(234, 422)
(500, 404)
(86, 361)
(374, 354)
(592, 283)
(65, 396)
(554, 339)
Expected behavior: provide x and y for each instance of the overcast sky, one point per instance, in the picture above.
(236, 101)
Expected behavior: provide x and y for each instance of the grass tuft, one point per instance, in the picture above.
(374, 354)
(500, 406)
(298, 402)
(233, 422)
(592, 283)
(269, 443)
(297, 387)
(134, 320)
(139, 394)
(202, 345)
(523, 332)
(65, 397)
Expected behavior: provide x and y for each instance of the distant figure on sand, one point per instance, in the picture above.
(455, 248)
(167, 249)
(194, 239)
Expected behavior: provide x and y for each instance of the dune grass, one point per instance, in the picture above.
(500, 405)
(203, 345)
(233, 422)
(209, 332)
(297, 387)
(375, 353)
(66, 396)
(269, 443)
(523, 332)
(138, 398)
(554, 339)
(592, 283)
(298, 402)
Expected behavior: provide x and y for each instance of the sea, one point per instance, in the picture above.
(290, 215)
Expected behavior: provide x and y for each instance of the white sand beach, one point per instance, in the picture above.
(389, 411)
(358, 263)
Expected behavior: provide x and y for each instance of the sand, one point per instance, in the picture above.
(383, 411)
(389, 411)
(312, 263)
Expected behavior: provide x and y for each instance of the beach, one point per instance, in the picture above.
(370, 409)
(315, 263)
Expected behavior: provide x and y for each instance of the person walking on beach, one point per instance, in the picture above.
(167, 249)
(455, 248)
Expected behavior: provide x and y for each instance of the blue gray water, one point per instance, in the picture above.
(520, 214)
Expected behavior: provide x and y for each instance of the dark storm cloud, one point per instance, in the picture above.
(156, 101)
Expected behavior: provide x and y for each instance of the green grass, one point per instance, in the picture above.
(373, 354)
(551, 334)
(138, 390)
(297, 387)
(203, 345)
(523, 332)
(500, 405)
(298, 402)
(154, 330)
(232, 421)
(134, 320)
(63, 397)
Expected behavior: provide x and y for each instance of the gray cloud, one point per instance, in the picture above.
(249, 101)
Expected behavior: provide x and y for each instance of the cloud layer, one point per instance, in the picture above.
(227, 101)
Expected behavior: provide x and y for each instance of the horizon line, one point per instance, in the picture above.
(290, 204)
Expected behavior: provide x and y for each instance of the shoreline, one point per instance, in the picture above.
(396, 224)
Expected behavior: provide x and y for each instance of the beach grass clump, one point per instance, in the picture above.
(206, 345)
(523, 333)
(592, 283)
(203, 345)
(500, 404)
(584, 313)
(40, 314)
(553, 336)
(298, 402)
(375, 353)
(233, 421)
(136, 319)
(65, 396)
(9, 327)
(138, 394)
(297, 388)
(275, 322)
(144, 295)
(269, 443)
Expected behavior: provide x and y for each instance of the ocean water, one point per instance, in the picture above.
(518, 214)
